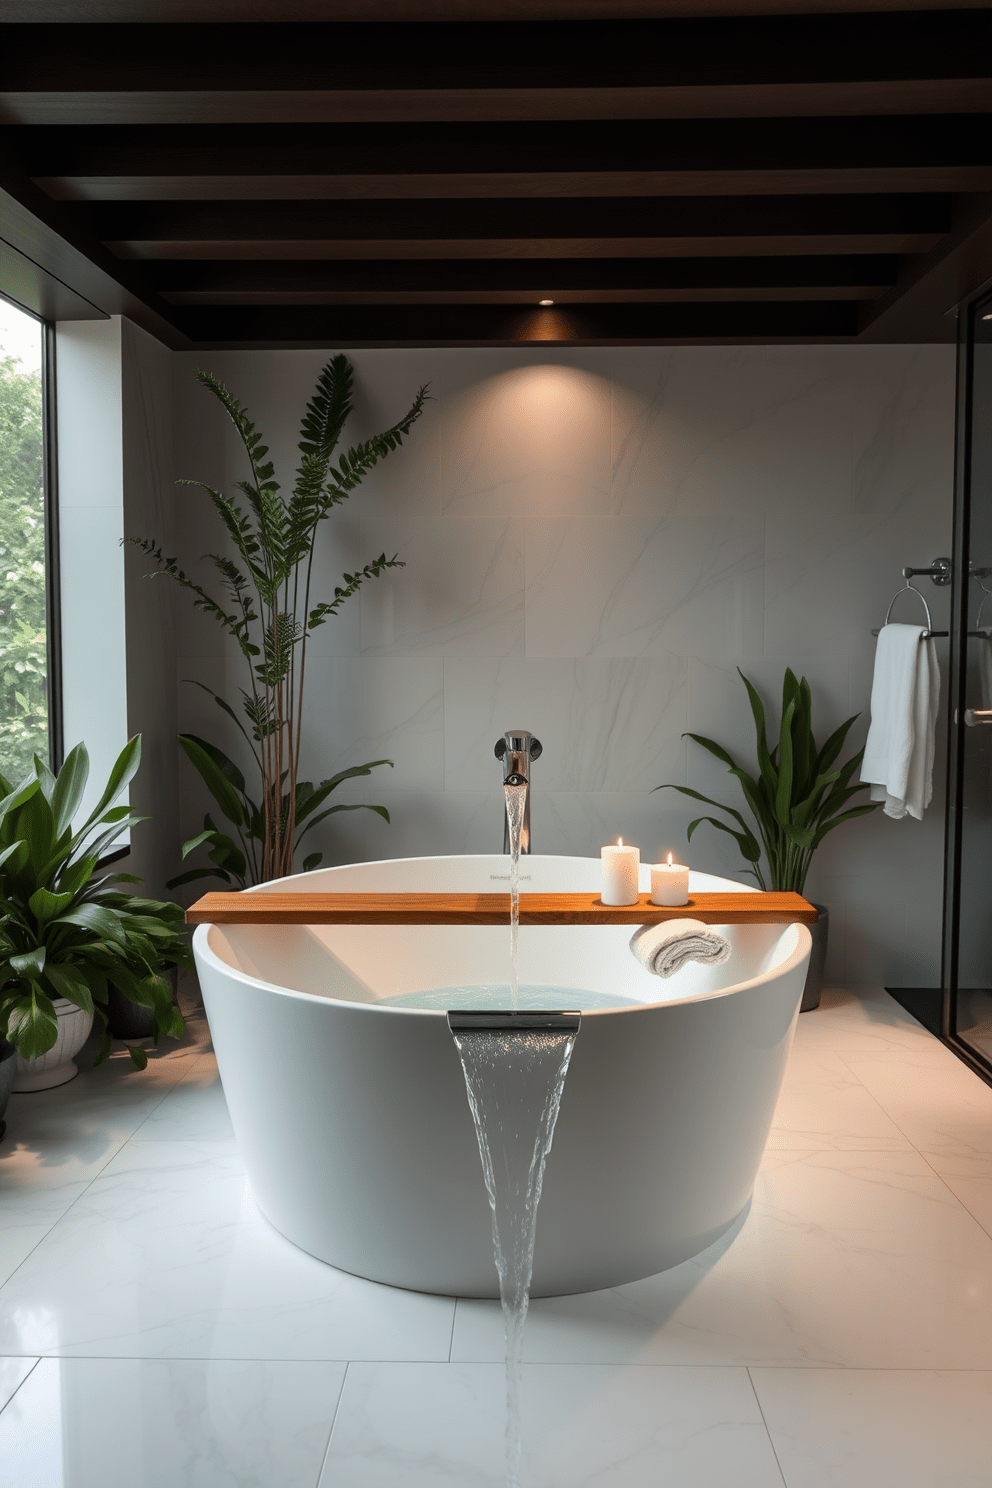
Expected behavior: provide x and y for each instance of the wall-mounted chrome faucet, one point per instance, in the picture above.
(517, 749)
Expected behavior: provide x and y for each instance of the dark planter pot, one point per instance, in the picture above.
(8, 1062)
(127, 1020)
(817, 960)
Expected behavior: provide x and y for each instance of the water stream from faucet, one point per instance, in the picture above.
(514, 1081)
(516, 802)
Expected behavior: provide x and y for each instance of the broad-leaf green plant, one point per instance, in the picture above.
(267, 608)
(799, 794)
(237, 855)
(67, 930)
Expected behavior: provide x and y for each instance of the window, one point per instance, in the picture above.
(25, 557)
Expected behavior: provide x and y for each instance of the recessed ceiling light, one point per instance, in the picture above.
(551, 302)
(984, 317)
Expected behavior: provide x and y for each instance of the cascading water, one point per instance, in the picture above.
(514, 1079)
(516, 802)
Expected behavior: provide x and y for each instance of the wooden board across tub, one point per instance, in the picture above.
(490, 909)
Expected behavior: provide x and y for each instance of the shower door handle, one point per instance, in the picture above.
(975, 716)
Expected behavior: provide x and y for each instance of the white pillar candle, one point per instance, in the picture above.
(669, 883)
(621, 869)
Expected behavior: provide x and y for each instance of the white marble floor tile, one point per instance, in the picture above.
(17, 1241)
(944, 1109)
(823, 1105)
(129, 1423)
(194, 1110)
(863, 1020)
(166, 1256)
(438, 1426)
(879, 1428)
(84, 1122)
(853, 1259)
(969, 1178)
(13, 1373)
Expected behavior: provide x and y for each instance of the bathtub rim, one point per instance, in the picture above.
(201, 947)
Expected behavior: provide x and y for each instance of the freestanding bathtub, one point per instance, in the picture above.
(353, 1119)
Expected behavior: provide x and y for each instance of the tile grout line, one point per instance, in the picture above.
(451, 1340)
(764, 1423)
(24, 1381)
(330, 1434)
(148, 1114)
(919, 1152)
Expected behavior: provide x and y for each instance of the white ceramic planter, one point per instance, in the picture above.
(56, 1067)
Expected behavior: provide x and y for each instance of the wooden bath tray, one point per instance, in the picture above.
(490, 909)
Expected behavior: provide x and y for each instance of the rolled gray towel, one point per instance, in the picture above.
(663, 949)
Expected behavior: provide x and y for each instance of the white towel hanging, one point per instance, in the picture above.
(898, 761)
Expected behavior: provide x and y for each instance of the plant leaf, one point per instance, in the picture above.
(123, 772)
(32, 1027)
(219, 786)
(69, 788)
(103, 923)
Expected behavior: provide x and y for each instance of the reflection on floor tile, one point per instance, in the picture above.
(430, 1426)
(100, 1423)
(878, 1429)
(13, 1373)
(821, 1272)
(165, 1256)
(193, 1110)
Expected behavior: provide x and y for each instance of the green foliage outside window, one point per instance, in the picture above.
(23, 700)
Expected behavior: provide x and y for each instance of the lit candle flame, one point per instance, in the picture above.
(669, 860)
(619, 842)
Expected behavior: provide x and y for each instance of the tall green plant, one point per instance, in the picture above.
(797, 797)
(268, 610)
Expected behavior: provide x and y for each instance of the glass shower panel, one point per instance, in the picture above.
(971, 1009)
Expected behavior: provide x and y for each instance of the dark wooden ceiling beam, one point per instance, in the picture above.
(477, 150)
(952, 179)
(513, 219)
(481, 325)
(545, 55)
(147, 106)
(584, 276)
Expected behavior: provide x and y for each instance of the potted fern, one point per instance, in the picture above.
(267, 607)
(68, 932)
(799, 795)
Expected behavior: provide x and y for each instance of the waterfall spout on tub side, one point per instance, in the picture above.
(517, 749)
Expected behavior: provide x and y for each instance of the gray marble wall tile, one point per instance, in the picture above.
(532, 439)
(635, 586)
(904, 429)
(828, 583)
(461, 593)
(605, 724)
(399, 716)
(422, 824)
(580, 823)
(756, 428)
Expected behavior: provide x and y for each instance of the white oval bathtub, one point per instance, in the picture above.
(353, 1120)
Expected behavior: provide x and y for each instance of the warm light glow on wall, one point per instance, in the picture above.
(515, 442)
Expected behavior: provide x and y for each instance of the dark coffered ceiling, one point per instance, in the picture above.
(658, 176)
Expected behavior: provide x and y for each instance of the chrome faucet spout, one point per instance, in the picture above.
(517, 750)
